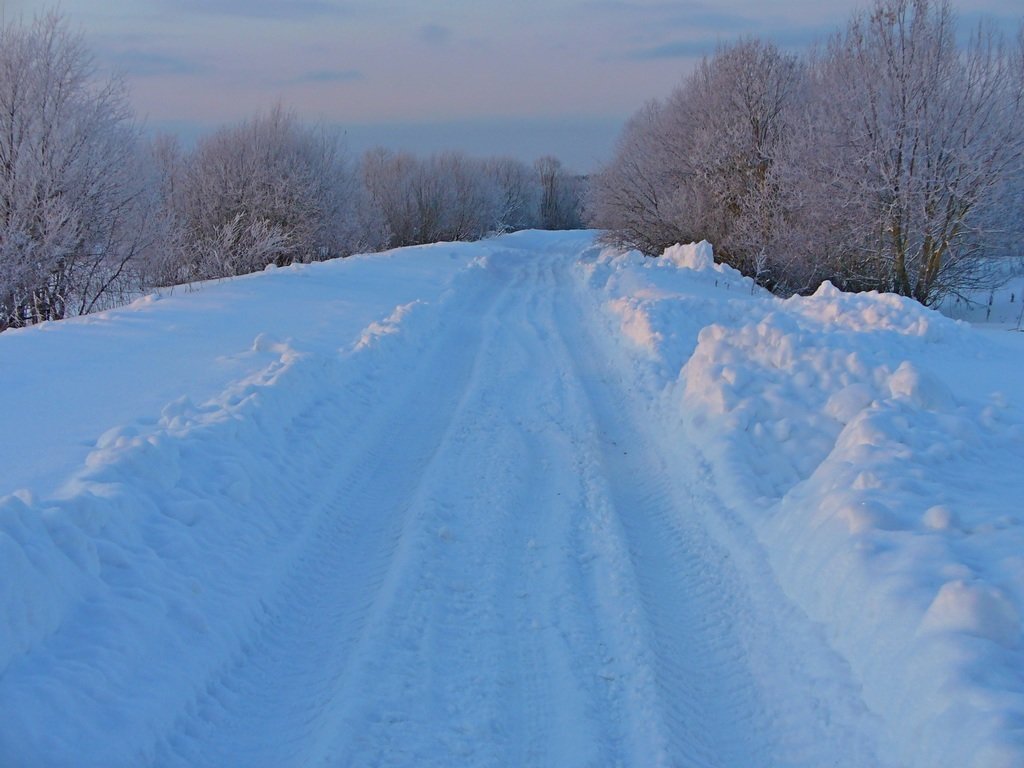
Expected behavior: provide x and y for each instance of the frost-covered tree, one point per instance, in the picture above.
(912, 147)
(447, 196)
(741, 102)
(561, 195)
(891, 159)
(469, 207)
(269, 190)
(640, 197)
(75, 191)
(166, 162)
(387, 180)
(516, 194)
(412, 197)
(700, 165)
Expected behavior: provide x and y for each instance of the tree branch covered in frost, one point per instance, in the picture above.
(75, 202)
(889, 159)
(267, 191)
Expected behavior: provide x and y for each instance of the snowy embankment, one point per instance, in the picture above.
(877, 450)
(191, 443)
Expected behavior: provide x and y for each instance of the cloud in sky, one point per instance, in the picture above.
(392, 62)
(670, 14)
(329, 76)
(436, 34)
(683, 49)
(791, 38)
(151, 64)
(264, 9)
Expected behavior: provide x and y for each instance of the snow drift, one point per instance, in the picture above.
(151, 566)
(883, 481)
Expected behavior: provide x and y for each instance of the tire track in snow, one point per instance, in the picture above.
(509, 571)
(475, 662)
(711, 648)
(594, 652)
(558, 626)
(271, 704)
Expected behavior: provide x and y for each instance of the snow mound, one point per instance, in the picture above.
(695, 256)
(636, 324)
(785, 393)
(861, 438)
(977, 609)
(147, 570)
(874, 312)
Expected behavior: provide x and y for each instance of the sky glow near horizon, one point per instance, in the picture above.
(556, 77)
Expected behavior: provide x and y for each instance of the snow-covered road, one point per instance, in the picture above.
(503, 578)
(458, 535)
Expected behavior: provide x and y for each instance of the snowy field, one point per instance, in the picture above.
(519, 502)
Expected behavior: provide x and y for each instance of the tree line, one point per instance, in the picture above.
(889, 157)
(92, 212)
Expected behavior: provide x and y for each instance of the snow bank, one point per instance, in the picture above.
(695, 256)
(884, 481)
(148, 570)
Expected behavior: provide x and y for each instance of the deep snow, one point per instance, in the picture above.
(877, 450)
(522, 502)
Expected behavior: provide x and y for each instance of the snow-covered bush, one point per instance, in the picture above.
(75, 196)
(269, 190)
(700, 165)
(890, 159)
(450, 197)
(912, 143)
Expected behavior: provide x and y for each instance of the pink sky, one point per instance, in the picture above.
(563, 71)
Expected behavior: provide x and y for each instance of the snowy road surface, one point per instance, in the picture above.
(456, 532)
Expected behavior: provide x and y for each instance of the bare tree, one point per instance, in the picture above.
(916, 139)
(700, 165)
(266, 191)
(517, 194)
(640, 198)
(562, 194)
(75, 192)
